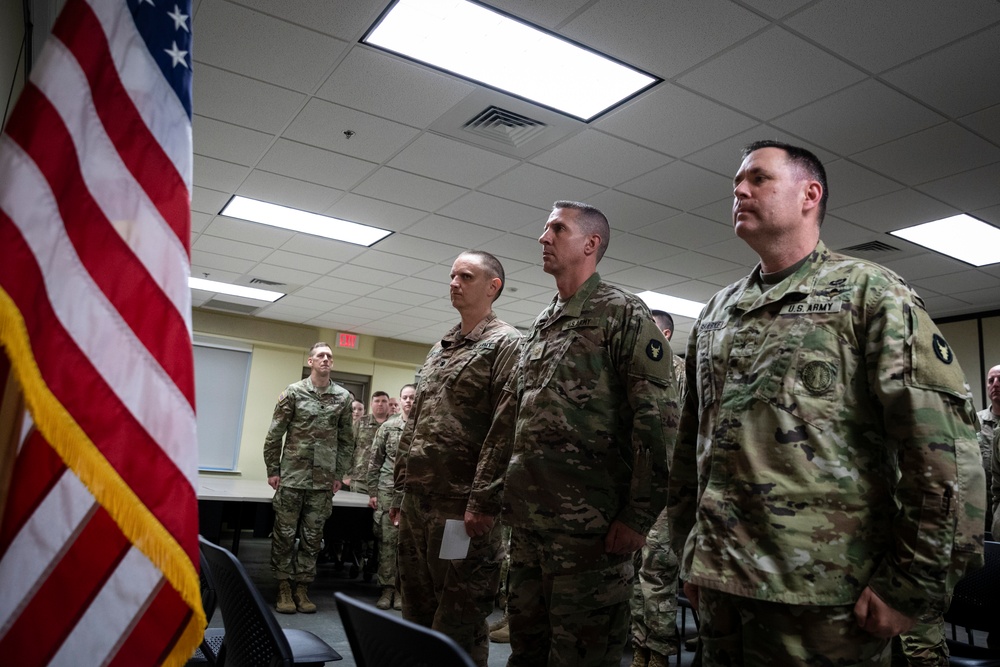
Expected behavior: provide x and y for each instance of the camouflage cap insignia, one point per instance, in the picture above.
(817, 376)
(654, 350)
(941, 350)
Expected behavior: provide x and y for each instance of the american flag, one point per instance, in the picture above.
(99, 532)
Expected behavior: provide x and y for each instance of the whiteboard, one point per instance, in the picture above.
(221, 376)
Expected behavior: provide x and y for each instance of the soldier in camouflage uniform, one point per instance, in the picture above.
(654, 591)
(988, 425)
(826, 488)
(313, 417)
(379, 481)
(595, 414)
(445, 467)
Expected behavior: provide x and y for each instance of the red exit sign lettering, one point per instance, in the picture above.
(350, 341)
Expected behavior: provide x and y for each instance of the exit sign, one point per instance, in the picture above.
(350, 341)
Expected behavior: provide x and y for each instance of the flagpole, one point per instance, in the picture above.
(11, 419)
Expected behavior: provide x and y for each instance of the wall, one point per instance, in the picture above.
(11, 34)
(976, 342)
(280, 351)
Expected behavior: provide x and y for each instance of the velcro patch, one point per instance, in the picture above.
(812, 308)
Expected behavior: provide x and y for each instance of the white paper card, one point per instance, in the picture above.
(455, 541)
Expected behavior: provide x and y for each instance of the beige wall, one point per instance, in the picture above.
(963, 337)
(11, 34)
(279, 353)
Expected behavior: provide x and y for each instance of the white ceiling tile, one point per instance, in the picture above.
(930, 155)
(987, 299)
(666, 38)
(518, 247)
(379, 277)
(688, 231)
(376, 259)
(396, 296)
(725, 156)
(208, 201)
(202, 261)
(390, 87)
(674, 121)
(431, 288)
(247, 42)
(985, 122)
(626, 212)
(412, 246)
(771, 74)
(315, 165)
(849, 183)
(323, 124)
(356, 313)
(638, 250)
(525, 290)
(735, 250)
(346, 19)
(720, 211)
(199, 221)
(281, 274)
(536, 276)
(860, 117)
(229, 142)
(292, 260)
(548, 14)
(248, 232)
(838, 234)
(321, 296)
(942, 306)
(989, 214)
(304, 244)
(240, 100)
(451, 161)
(777, 8)
(961, 282)
(402, 187)
(968, 191)
(537, 186)
(230, 248)
(287, 191)
(695, 290)
(490, 211)
(959, 79)
(896, 210)
(218, 175)
(339, 284)
(620, 160)
(693, 265)
(680, 185)
(283, 313)
(925, 265)
(879, 35)
(455, 231)
(374, 212)
(642, 278)
(729, 277)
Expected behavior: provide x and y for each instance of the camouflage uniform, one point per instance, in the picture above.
(364, 435)
(807, 401)
(995, 469)
(379, 482)
(987, 426)
(447, 464)
(654, 590)
(595, 416)
(315, 423)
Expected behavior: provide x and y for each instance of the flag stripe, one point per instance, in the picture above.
(81, 31)
(37, 469)
(167, 610)
(75, 581)
(90, 320)
(115, 269)
(157, 482)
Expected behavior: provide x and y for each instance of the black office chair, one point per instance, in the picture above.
(252, 635)
(211, 642)
(379, 638)
(974, 607)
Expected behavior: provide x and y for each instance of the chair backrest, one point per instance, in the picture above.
(209, 599)
(378, 638)
(253, 636)
(974, 602)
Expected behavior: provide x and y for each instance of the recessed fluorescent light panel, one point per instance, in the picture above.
(671, 304)
(234, 290)
(961, 236)
(303, 221)
(488, 47)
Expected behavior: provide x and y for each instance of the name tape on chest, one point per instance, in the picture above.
(812, 308)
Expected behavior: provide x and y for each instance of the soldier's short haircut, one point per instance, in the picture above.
(663, 320)
(410, 385)
(801, 158)
(494, 269)
(591, 220)
(376, 394)
(318, 345)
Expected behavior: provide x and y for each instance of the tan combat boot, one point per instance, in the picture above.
(500, 631)
(658, 660)
(385, 600)
(397, 601)
(302, 601)
(640, 656)
(285, 604)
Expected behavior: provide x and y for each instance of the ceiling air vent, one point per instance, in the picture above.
(240, 308)
(261, 281)
(504, 126)
(871, 246)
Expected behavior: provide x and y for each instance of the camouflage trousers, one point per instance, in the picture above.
(568, 603)
(387, 536)
(505, 565)
(738, 631)
(451, 596)
(302, 512)
(654, 593)
(924, 645)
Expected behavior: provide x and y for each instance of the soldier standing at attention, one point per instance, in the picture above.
(380, 468)
(446, 464)
(826, 489)
(313, 416)
(595, 414)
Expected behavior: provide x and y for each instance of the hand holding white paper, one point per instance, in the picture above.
(455, 541)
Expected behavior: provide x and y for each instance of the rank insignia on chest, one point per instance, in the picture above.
(942, 351)
(817, 376)
(536, 351)
(654, 350)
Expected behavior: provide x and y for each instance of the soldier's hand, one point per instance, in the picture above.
(373, 502)
(622, 540)
(478, 524)
(337, 486)
(876, 617)
(394, 515)
(347, 481)
(274, 481)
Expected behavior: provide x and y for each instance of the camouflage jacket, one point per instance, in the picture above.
(458, 390)
(364, 435)
(595, 416)
(680, 375)
(383, 456)
(987, 427)
(316, 427)
(826, 444)
(995, 469)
